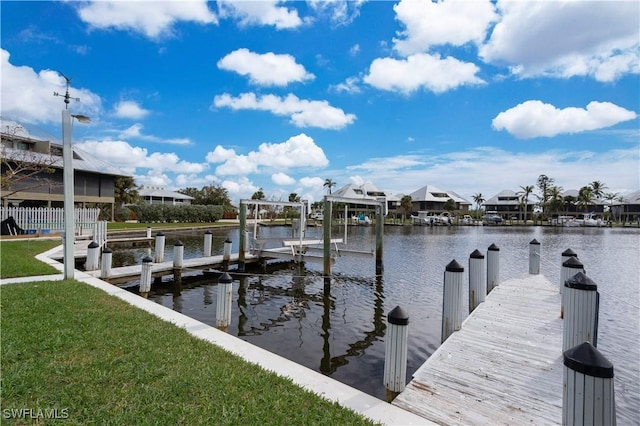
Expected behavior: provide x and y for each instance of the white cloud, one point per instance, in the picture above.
(27, 95)
(239, 188)
(312, 182)
(297, 152)
(599, 39)
(263, 12)
(454, 22)
(266, 69)
(153, 19)
(130, 109)
(135, 132)
(534, 118)
(303, 113)
(340, 12)
(350, 85)
(398, 162)
(421, 71)
(282, 179)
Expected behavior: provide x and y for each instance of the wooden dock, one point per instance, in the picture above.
(504, 367)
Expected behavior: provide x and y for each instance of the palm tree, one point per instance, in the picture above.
(597, 189)
(328, 183)
(478, 199)
(555, 201)
(585, 198)
(524, 197)
(544, 183)
(611, 197)
(405, 204)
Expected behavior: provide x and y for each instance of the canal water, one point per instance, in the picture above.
(341, 334)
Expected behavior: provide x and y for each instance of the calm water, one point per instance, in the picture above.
(341, 334)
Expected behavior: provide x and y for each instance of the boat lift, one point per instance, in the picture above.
(301, 249)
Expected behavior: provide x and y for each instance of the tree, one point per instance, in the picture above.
(479, 200)
(597, 188)
(406, 204)
(555, 198)
(215, 195)
(125, 191)
(524, 198)
(294, 198)
(450, 206)
(544, 183)
(328, 183)
(611, 197)
(585, 198)
(258, 195)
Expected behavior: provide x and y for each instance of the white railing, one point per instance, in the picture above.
(42, 220)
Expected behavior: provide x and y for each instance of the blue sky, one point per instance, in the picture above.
(470, 96)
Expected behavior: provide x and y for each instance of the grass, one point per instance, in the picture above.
(125, 226)
(17, 258)
(69, 346)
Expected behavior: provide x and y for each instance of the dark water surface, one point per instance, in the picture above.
(341, 334)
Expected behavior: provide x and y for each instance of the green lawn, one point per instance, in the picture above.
(94, 359)
(17, 258)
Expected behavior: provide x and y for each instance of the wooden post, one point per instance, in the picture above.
(327, 236)
(477, 280)
(588, 394)
(206, 252)
(226, 254)
(107, 258)
(93, 256)
(159, 247)
(534, 257)
(178, 261)
(241, 237)
(379, 238)
(145, 277)
(568, 253)
(395, 353)
(569, 268)
(582, 302)
(452, 298)
(493, 267)
(223, 309)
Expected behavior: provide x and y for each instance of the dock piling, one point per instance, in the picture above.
(493, 267)
(570, 267)
(452, 299)
(159, 247)
(223, 307)
(107, 258)
(534, 257)
(145, 277)
(395, 358)
(477, 280)
(208, 236)
(582, 302)
(226, 254)
(93, 256)
(178, 261)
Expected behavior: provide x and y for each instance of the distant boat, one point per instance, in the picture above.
(361, 219)
(425, 218)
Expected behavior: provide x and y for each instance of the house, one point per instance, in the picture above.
(160, 195)
(432, 199)
(39, 178)
(507, 204)
(628, 208)
(366, 191)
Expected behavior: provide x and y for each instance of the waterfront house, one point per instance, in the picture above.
(432, 199)
(628, 208)
(368, 192)
(507, 204)
(160, 195)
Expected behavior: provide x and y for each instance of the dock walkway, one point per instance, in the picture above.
(503, 367)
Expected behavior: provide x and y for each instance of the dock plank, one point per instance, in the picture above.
(503, 367)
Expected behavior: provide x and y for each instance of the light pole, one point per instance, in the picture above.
(67, 167)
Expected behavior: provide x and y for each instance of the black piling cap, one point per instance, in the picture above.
(581, 281)
(454, 266)
(227, 241)
(586, 359)
(569, 253)
(93, 244)
(573, 262)
(106, 250)
(476, 254)
(160, 234)
(398, 316)
(178, 243)
(208, 232)
(225, 279)
(534, 241)
(493, 247)
(147, 259)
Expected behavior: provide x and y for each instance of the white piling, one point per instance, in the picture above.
(581, 311)
(223, 308)
(145, 277)
(226, 254)
(107, 258)
(588, 394)
(452, 299)
(159, 247)
(534, 257)
(568, 253)
(477, 280)
(178, 254)
(395, 353)
(493, 267)
(148, 232)
(93, 257)
(569, 268)
(208, 236)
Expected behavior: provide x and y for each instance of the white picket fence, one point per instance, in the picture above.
(42, 220)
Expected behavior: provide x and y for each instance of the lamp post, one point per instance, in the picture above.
(67, 167)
